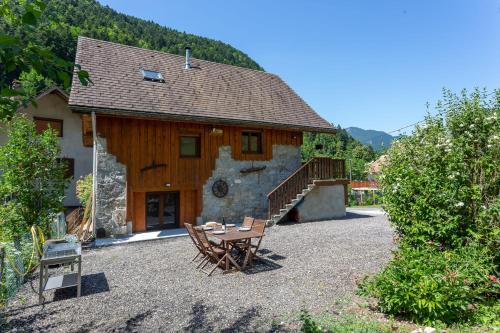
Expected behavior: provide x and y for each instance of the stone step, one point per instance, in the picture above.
(289, 206)
(305, 191)
(283, 211)
(294, 202)
(275, 217)
(299, 196)
(310, 186)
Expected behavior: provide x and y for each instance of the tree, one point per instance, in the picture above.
(18, 55)
(340, 145)
(33, 178)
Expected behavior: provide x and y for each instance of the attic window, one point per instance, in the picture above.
(154, 76)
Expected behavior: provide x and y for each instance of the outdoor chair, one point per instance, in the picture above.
(247, 222)
(251, 248)
(213, 253)
(196, 243)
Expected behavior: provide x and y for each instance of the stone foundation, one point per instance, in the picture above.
(247, 194)
(111, 199)
(323, 203)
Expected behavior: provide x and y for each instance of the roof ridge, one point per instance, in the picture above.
(177, 55)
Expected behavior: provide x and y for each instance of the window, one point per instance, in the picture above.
(70, 166)
(41, 124)
(190, 146)
(251, 142)
(150, 75)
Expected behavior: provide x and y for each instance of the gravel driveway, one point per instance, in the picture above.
(153, 286)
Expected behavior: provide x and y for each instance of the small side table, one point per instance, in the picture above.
(57, 254)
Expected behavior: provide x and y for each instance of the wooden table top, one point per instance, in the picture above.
(233, 234)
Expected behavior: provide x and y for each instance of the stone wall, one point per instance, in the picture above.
(247, 194)
(111, 199)
(323, 203)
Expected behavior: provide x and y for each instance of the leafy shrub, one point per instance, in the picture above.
(84, 189)
(430, 286)
(32, 180)
(441, 191)
(441, 183)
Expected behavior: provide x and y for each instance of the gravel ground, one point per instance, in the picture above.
(153, 286)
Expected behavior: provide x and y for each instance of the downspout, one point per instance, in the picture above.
(94, 173)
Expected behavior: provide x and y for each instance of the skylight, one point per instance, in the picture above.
(150, 75)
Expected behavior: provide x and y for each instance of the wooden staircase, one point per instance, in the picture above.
(292, 190)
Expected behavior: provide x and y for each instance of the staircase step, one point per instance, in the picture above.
(299, 196)
(305, 191)
(283, 211)
(275, 217)
(310, 186)
(294, 202)
(289, 206)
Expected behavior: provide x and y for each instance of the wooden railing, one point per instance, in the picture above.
(315, 168)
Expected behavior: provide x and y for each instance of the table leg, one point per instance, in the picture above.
(40, 286)
(79, 278)
(248, 254)
(226, 246)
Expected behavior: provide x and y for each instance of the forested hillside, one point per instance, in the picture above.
(340, 145)
(378, 140)
(65, 20)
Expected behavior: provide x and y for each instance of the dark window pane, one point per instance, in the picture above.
(190, 146)
(251, 142)
(70, 166)
(244, 142)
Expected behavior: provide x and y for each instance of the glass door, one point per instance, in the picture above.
(162, 210)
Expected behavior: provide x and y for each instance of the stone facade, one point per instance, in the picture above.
(247, 193)
(111, 199)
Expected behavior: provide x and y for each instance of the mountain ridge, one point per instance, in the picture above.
(378, 140)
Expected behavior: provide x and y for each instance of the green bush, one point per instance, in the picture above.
(442, 183)
(84, 189)
(441, 189)
(431, 286)
(32, 179)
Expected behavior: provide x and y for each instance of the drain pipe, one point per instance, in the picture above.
(94, 172)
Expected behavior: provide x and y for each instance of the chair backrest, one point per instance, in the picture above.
(248, 222)
(192, 234)
(259, 226)
(202, 238)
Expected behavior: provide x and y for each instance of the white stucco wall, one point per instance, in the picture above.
(323, 203)
(56, 107)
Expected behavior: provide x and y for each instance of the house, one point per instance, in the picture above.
(180, 140)
(52, 110)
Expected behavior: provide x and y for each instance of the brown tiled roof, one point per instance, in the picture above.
(211, 93)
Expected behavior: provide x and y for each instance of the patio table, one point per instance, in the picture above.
(56, 254)
(233, 235)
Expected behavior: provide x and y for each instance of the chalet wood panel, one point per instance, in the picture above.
(150, 149)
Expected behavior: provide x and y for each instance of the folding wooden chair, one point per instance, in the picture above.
(247, 222)
(196, 243)
(251, 248)
(213, 254)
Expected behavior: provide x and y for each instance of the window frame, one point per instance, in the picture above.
(260, 145)
(53, 120)
(198, 145)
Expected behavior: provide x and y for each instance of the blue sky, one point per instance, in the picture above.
(371, 64)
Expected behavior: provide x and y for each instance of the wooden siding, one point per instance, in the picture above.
(139, 143)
